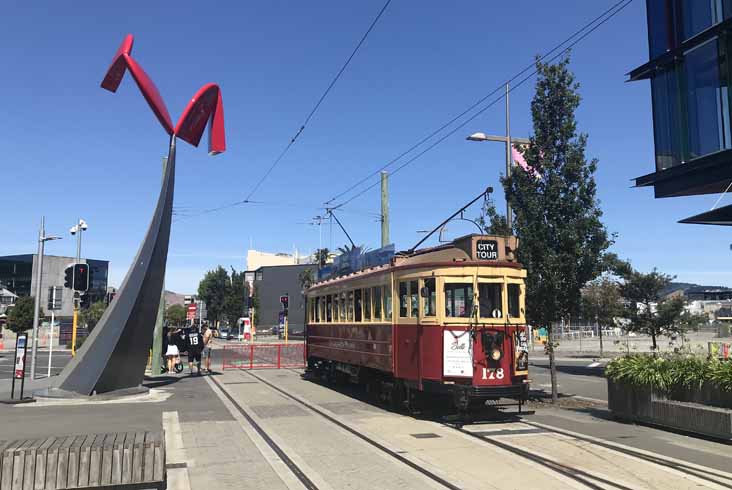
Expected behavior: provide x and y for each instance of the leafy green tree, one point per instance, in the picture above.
(601, 302)
(213, 289)
(91, 316)
(321, 257)
(648, 311)
(492, 222)
(557, 213)
(20, 315)
(235, 299)
(176, 315)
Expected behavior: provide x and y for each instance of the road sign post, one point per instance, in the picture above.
(21, 343)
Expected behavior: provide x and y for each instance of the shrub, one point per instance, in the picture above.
(672, 373)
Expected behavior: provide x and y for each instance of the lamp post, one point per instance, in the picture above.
(508, 141)
(42, 239)
(77, 230)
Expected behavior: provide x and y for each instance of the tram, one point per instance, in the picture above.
(447, 321)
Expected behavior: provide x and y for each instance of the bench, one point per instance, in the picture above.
(124, 460)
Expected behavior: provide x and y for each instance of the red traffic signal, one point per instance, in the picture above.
(81, 277)
(285, 299)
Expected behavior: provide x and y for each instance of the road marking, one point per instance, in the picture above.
(176, 467)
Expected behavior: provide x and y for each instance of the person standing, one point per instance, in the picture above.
(195, 347)
(207, 345)
(172, 352)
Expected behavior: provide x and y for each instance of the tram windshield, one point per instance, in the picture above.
(489, 298)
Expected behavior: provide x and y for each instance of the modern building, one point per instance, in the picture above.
(271, 282)
(689, 43)
(18, 274)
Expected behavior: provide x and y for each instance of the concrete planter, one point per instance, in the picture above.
(643, 404)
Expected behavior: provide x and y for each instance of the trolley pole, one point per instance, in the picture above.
(384, 209)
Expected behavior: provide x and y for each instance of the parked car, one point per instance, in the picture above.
(224, 334)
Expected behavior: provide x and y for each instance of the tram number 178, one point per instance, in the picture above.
(493, 373)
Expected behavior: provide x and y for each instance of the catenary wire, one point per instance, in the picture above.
(624, 3)
(314, 109)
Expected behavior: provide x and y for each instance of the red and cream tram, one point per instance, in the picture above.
(447, 320)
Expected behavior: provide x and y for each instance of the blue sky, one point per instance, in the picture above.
(70, 149)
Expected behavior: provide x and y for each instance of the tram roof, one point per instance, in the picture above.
(473, 249)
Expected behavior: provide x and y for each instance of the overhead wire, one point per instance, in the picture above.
(314, 109)
(565, 45)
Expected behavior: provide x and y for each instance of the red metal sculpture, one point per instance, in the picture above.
(114, 356)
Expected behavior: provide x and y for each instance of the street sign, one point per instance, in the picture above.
(191, 311)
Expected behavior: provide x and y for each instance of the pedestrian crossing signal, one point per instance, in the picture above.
(81, 277)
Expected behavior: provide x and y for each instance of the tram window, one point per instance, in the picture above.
(458, 300)
(414, 298)
(514, 292)
(376, 295)
(349, 307)
(387, 303)
(489, 298)
(430, 299)
(403, 298)
(358, 305)
(329, 308)
(366, 305)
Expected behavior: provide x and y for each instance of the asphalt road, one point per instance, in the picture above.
(59, 359)
(580, 377)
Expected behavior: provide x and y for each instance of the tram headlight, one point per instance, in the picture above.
(496, 354)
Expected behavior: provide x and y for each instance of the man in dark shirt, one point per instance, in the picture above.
(194, 341)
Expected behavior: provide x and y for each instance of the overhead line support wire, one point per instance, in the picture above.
(481, 111)
(613, 10)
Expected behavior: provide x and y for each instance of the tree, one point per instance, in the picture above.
(648, 311)
(235, 299)
(176, 315)
(601, 302)
(91, 316)
(557, 214)
(491, 221)
(321, 257)
(213, 289)
(20, 315)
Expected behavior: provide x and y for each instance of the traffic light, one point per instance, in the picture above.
(85, 301)
(284, 299)
(81, 277)
(69, 276)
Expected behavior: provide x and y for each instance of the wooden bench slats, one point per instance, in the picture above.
(92, 460)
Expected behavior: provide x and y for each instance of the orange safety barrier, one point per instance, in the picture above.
(263, 356)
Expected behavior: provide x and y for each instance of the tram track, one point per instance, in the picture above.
(423, 471)
(709, 475)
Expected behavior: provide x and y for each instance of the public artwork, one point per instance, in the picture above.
(115, 354)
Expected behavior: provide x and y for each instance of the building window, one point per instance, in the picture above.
(377, 303)
(705, 97)
(458, 300)
(489, 298)
(659, 27)
(514, 295)
(666, 117)
(430, 297)
(316, 313)
(698, 15)
(54, 302)
(329, 308)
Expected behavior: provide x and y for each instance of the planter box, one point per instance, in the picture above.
(643, 404)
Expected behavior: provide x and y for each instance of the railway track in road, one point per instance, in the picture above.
(425, 472)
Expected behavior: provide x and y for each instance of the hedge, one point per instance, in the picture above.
(671, 373)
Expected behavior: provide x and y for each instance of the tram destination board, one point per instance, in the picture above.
(486, 250)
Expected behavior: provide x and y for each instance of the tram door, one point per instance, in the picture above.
(406, 332)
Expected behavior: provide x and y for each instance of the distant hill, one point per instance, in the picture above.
(685, 286)
(172, 298)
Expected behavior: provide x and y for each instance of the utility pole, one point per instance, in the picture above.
(37, 303)
(509, 157)
(384, 209)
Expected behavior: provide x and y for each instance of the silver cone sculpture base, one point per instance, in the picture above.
(115, 354)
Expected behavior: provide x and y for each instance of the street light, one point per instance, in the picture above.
(42, 239)
(77, 230)
(508, 141)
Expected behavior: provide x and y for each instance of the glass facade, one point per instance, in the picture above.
(16, 273)
(691, 116)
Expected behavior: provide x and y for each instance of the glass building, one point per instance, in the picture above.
(689, 70)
